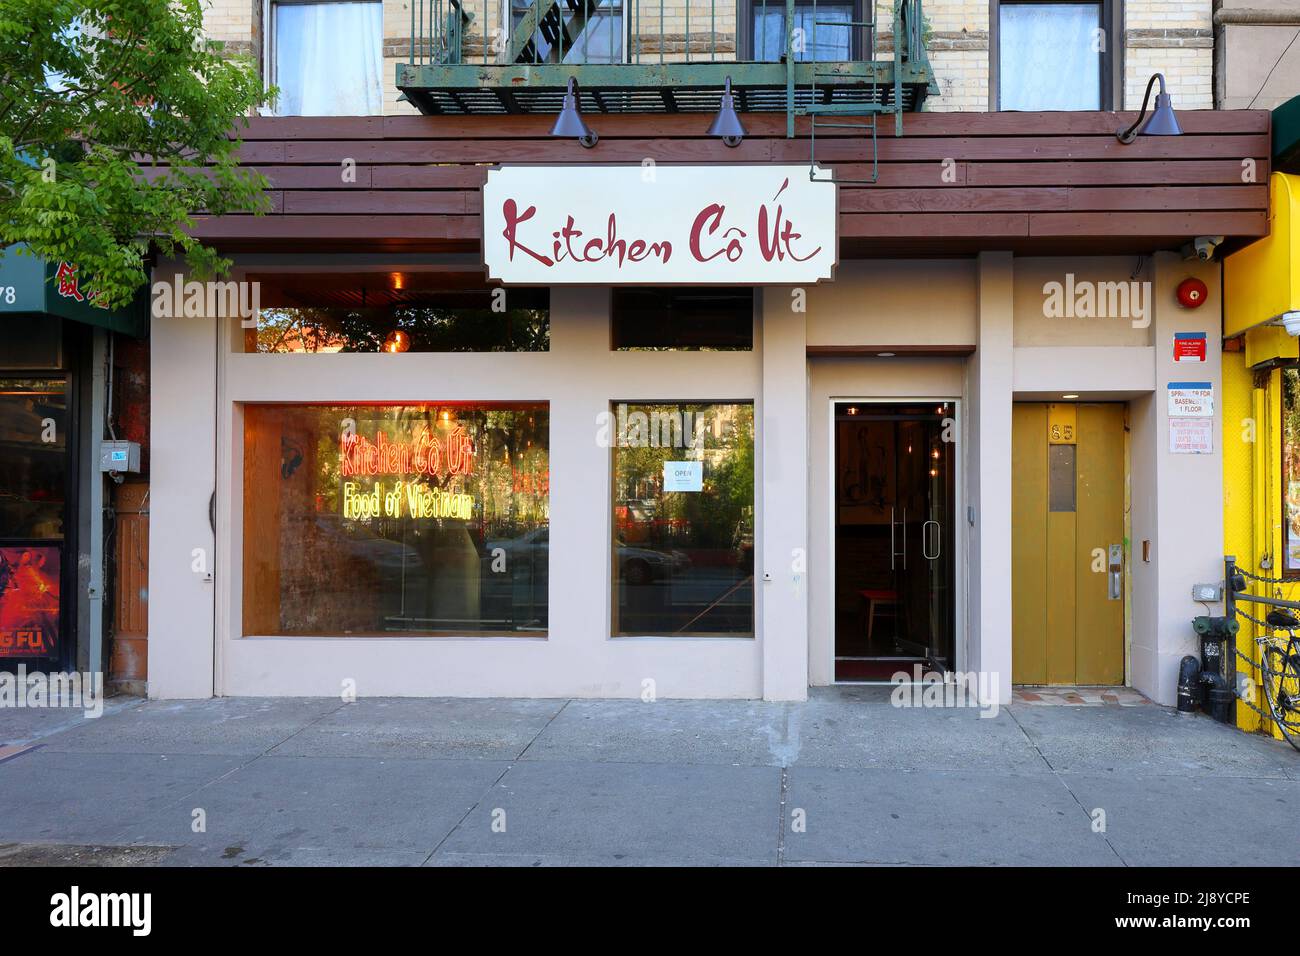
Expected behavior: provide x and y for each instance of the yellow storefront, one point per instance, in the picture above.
(1261, 424)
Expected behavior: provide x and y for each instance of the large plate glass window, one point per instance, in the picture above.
(419, 519)
(683, 518)
(327, 58)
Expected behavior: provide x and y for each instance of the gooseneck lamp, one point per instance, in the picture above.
(1162, 122)
(570, 123)
(726, 124)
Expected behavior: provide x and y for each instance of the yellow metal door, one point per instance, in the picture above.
(1067, 544)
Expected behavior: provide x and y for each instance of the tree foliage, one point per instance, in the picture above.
(116, 126)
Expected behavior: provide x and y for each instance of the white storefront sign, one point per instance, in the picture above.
(659, 225)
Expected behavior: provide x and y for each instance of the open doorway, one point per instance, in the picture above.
(894, 511)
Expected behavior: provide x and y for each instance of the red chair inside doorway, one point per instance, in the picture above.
(883, 601)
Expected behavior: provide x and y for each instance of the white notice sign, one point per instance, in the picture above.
(659, 225)
(683, 475)
(1191, 436)
(1191, 399)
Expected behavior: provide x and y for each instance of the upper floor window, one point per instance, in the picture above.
(600, 39)
(1052, 55)
(828, 37)
(326, 58)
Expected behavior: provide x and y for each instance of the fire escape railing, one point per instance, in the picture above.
(515, 56)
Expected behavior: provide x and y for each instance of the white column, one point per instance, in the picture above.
(182, 472)
(781, 572)
(1176, 499)
(988, 456)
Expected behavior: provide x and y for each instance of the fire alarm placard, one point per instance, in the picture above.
(1189, 346)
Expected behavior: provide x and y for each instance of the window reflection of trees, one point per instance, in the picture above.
(432, 328)
(685, 560)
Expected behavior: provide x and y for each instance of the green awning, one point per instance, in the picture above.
(32, 286)
(1286, 137)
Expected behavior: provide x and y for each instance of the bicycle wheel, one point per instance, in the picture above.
(1280, 666)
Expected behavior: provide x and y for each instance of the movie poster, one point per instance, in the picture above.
(29, 601)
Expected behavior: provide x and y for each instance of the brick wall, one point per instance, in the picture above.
(1173, 37)
(958, 43)
(237, 23)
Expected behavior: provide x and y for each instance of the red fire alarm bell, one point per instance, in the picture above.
(1192, 293)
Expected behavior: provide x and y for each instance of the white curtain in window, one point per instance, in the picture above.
(833, 43)
(329, 58)
(1049, 56)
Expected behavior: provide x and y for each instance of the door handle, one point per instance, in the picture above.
(1115, 573)
(893, 544)
(938, 540)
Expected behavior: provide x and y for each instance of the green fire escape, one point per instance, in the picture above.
(803, 59)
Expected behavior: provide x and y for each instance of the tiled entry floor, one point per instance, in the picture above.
(1079, 696)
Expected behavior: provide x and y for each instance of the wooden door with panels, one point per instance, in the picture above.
(1067, 551)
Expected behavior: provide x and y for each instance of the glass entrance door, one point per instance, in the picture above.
(894, 538)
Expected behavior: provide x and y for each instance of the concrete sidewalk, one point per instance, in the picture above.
(843, 778)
